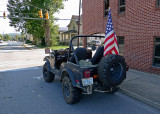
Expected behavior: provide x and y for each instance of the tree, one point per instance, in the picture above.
(16, 37)
(6, 37)
(54, 35)
(35, 28)
(1, 37)
(40, 29)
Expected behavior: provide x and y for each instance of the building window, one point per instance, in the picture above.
(157, 52)
(106, 7)
(121, 45)
(122, 4)
(158, 2)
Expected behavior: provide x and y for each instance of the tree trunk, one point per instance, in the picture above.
(37, 41)
(47, 33)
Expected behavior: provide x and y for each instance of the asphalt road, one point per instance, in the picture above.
(23, 91)
(12, 45)
(13, 55)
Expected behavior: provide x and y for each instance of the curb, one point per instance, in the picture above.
(140, 98)
(27, 47)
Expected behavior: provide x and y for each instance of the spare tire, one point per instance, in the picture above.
(112, 70)
(81, 55)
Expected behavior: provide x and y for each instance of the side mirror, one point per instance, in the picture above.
(47, 51)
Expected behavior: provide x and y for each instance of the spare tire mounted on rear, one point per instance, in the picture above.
(112, 70)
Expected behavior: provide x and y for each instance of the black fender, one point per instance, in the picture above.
(71, 76)
(48, 63)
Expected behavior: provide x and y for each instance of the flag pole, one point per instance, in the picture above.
(110, 47)
(109, 8)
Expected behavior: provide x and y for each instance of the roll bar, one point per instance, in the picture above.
(71, 45)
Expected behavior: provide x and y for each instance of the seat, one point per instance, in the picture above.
(98, 55)
(81, 54)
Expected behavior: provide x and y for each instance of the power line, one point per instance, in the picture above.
(35, 18)
(18, 12)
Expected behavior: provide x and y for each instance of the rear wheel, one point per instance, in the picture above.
(71, 94)
(47, 75)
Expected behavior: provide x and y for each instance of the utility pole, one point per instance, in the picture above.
(3, 34)
(79, 21)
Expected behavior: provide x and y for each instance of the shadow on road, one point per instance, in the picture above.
(9, 71)
(10, 47)
(26, 89)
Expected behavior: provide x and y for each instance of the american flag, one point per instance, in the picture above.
(110, 43)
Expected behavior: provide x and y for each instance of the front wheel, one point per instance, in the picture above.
(71, 94)
(47, 75)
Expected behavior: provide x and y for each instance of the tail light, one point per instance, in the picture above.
(87, 74)
(95, 76)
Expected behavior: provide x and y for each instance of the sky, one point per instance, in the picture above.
(71, 8)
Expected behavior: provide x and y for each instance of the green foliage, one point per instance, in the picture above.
(58, 47)
(29, 9)
(54, 35)
(43, 42)
(28, 42)
(6, 37)
(1, 37)
(17, 36)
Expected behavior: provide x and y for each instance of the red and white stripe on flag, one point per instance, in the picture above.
(110, 43)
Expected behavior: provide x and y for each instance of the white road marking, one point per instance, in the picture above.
(38, 77)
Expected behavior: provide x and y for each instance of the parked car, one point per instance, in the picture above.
(80, 73)
(1, 41)
(94, 42)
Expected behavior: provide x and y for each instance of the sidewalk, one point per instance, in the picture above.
(30, 47)
(142, 86)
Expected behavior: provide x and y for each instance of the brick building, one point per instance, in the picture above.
(136, 24)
